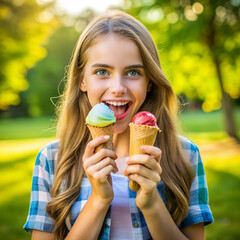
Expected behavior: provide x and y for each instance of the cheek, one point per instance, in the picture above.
(96, 85)
(142, 98)
(140, 91)
(95, 91)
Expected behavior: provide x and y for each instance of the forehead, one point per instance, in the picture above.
(113, 49)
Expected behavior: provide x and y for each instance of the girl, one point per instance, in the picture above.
(79, 194)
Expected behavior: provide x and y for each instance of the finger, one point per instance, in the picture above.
(145, 160)
(102, 164)
(103, 153)
(143, 182)
(153, 151)
(89, 151)
(142, 171)
(103, 174)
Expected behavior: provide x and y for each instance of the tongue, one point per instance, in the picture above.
(119, 110)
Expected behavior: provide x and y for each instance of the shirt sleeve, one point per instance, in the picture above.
(40, 195)
(199, 210)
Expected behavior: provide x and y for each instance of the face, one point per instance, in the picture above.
(114, 74)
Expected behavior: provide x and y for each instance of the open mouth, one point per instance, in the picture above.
(120, 108)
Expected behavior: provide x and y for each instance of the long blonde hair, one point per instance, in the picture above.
(73, 134)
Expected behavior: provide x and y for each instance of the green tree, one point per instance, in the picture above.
(24, 27)
(48, 77)
(200, 45)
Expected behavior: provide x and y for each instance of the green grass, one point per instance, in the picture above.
(27, 128)
(14, 199)
(224, 201)
(198, 121)
(202, 126)
(16, 165)
(21, 139)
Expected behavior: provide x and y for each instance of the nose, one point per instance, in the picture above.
(118, 86)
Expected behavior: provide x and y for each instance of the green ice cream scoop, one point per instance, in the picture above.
(100, 116)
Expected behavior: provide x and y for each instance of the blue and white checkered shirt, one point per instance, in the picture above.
(43, 176)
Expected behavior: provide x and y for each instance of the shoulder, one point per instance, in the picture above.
(190, 149)
(188, 144)
(50, 148)
(47, 156)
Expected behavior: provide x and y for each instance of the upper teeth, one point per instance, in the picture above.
(117, 103)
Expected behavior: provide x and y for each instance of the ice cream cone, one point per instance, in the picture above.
(102, 131)
(140, 135)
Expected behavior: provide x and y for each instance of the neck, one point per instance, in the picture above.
(121, 143)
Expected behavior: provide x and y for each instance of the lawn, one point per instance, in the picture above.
(21, 139)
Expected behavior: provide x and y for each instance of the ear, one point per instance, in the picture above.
(83, 86)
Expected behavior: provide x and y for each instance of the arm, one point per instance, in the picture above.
(145, 170)
(98, 168)
(89, 222)
(87, 226)
(39, 235)
(195, 231)
(162, 225)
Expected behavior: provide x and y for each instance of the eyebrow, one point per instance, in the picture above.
(111, 67)
(101, 65)
(135, 66)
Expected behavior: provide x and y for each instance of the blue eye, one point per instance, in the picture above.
(102, 72)
(133, 73)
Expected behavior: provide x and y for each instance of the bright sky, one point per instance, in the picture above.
(74, 7)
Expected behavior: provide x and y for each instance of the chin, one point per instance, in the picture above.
(120, 128)
(117, 130)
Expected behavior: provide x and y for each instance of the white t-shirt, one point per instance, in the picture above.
(121, 223)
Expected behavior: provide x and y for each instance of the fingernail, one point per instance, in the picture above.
(106, 137)
(143, 147)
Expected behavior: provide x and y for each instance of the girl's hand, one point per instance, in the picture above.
(98, 167)
(145, 170)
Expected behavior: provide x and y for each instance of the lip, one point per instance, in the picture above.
(115, 100)
(122, 116)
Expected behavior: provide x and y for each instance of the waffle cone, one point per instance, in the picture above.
(140, 135)
(102, 131)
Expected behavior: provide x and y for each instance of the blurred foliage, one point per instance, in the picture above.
(45, 78)
(24, 26)
(192, 36)
(36, 44)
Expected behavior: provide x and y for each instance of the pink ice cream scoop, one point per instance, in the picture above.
(145, 118)
(143, 131)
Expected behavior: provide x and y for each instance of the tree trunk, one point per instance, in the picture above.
(226, 105)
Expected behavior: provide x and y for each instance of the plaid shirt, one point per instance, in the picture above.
(43, 176)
